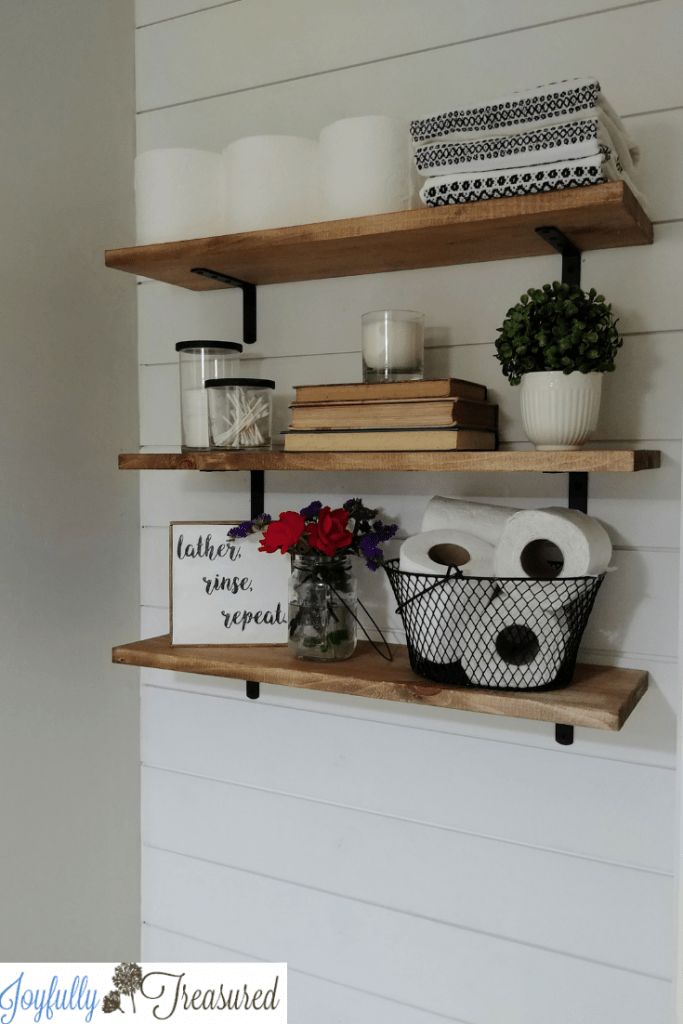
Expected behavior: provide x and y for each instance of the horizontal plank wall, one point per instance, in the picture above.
(412, 864)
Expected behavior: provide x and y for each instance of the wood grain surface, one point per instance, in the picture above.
(596, 217)
(584, 461)
(600, 697)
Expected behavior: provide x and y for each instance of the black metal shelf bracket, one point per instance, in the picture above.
(578, 492)
(571, 255)
(578, 482)
(258, 492)
(578, 499)
(248, 300)
(564, 734)
(257, 507)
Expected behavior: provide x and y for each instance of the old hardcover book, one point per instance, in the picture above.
(440, 387)
(426, 439)
(413, 412)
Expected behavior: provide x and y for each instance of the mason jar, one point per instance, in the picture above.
(322, 607)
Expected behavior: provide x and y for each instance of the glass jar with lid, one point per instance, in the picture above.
(240, 412)
(200, 361)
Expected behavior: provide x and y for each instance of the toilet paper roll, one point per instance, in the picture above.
(515, 650)
(552, 543)
(366, 167)
(436, 550)
(481, 520)
(270, 181)
(178, 194)
(536, 595)
(436, 618)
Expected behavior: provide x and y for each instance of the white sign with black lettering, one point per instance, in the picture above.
(224, 590)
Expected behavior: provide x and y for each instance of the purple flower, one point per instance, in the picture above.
(368, 546)
(370, 543)
(240, 531)
(311, 511)
(243, 530)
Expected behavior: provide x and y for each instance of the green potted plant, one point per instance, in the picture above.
(557, 342)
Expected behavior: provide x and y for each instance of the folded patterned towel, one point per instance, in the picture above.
(519, 112)
(467, 188)
(569, 140)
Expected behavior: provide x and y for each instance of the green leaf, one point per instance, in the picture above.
(339, 636)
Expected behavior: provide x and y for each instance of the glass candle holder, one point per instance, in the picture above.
(240, 412)
(393, 345)
(200, 361)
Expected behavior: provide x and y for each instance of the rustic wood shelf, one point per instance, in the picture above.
(596, 217)
(584, 461)
(600, 697)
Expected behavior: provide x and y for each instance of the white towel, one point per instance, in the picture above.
(569, 140)
(466, 188)
(519, 112)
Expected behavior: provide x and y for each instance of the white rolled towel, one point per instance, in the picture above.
(271, 181)
(476, 518)
(178, 194)
(552, 543)
(366, 167)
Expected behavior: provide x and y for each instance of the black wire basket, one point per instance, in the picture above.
(502, 634)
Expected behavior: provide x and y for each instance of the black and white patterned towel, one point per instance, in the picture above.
(468, 188)
(567, 141)
(517, 112)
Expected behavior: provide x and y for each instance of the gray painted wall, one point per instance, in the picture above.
(69, 866)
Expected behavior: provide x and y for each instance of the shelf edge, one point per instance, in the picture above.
(589, 701)
(591, 461)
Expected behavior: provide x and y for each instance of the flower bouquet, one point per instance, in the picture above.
(322, 589)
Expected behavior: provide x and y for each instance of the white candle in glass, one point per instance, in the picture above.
(392, 344)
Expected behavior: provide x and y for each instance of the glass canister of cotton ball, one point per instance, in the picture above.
(240, 412)
(200, 361)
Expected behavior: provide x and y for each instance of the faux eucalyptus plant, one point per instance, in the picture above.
(558, 327)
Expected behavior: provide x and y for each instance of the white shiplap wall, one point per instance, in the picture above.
(414, 865)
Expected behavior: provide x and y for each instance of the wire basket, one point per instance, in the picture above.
(502, 634)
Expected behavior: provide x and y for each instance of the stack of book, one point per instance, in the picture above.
(444, 414)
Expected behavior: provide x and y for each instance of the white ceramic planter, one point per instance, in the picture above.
(560, 411)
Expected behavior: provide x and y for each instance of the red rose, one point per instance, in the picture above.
(283, 533)
(329, 534)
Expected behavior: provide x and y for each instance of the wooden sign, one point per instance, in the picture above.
(224, 590)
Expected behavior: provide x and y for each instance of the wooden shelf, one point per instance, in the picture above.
(585, 461)
(596, 217)
(599, 697)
